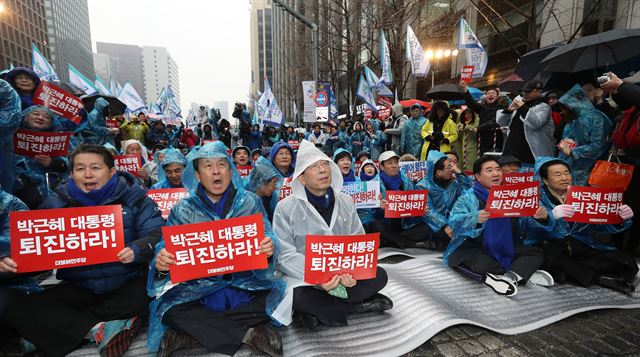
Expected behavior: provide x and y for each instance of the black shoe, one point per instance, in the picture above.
(307, 320)
(265, 339)
(376, 303)
(173, 341)
(618, 284)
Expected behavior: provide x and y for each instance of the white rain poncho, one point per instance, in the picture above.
(295, 218)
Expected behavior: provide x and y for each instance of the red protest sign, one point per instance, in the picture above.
(66, 237)
(368, 114)
(215, 247)
(130, 163)
(597, 205)
(467, 73)
(244, 170)
(32, 143)
(517, 177)
(58, 101)
(112, 124)
(295, 144)
(402, 204)
(326, 256)
(166, 198)
(384, 101)
(517, 200)
(285, 190)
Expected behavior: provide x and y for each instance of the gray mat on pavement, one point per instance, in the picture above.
(429, 297)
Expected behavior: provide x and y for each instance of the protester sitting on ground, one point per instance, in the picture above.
(572, 251)
(453, 156)
(25, 81)
(263, 180)
(317, 207)
(135, 147)
(333, 141)
(135, 129)
(170, 172)
(188, 139)
(283, 158)
(36, 176)
(207, 134)
(9, 111)
(241, 156)
(584, 138)
(343, 159)
(509, 164)
(439, 131)
(445, 183)
(58, 319)
(466, 146)
(492, 246)
(368, 171)
(219, 312)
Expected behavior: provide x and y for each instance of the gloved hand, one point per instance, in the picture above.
(563, 211)
(625, 212)
(445, 141)
(438, 136)
(427, 138)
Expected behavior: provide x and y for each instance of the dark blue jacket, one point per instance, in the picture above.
(142, 222)
(255, 140)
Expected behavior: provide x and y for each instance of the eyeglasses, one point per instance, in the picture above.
(284, 154)
(319, 165)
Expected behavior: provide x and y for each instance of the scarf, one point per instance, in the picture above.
(95, 197)
(320, 201)
(350, 177)
(316, 134)
(365, 177)
(216, 207)
(392, 183)
(497, 234)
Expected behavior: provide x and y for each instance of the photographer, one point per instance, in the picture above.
(241, 113)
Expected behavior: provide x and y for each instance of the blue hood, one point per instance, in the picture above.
(263, 172)
(576, 100)
(11, 76)
(215, 149)
(339, 151)
(432, 159)
(279, 145)
(545, 160)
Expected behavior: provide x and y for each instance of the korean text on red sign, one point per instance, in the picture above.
(66, 237)
(326, 256)
(32, 143)
(517, 177)
(414, 170)
(402, 204)
(166, 198)
(58, 101)
(595, 205)
(112, 124)
(365, 194)
(129, 163)
(215, 247)
(285, 190)
(467, 73)
(295, 144)
(244, 170)
(518, 200)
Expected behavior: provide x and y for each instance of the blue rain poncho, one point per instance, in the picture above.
(193, 210)
(376, 141)
(441, 199)
(263, 172)
(9, 122)
(171, 156)
(589, 129)
(561, 228)
(410, 139)
(406, 223)
(367, 215)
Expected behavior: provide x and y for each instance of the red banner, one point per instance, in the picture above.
(517, 200)
(517, 177)
(129, 163)
(595, 205)
(326, 256)
(285, 190)
(58, 101)
(295, 144)
(32, 143)
(244, 170)
(166, 198)
(402, 204)
(384, 111)
(215, 247)
(112, 124)
(66, 237)
(467, 73)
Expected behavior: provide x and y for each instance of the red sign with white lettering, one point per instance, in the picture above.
(295, 144)
(244, 170)
(58, 101)
(66, 237)
(32, 143)
(596, 205)
(517, 200)
(401, 204)
(166, 198)
(130, 163)
(112, 124)
(517, 177)
(215, 247)
(467, 73)
(326, 256)
(285, 190)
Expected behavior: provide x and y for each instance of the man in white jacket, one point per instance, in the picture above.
(317, 207)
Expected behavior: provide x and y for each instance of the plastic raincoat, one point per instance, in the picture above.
(193, 210)
(441, 200)
(94, 130)
(561, 228)
(358, 139)
(367, 215)
(9, 122)
(376, 141)
(171, 156)
(134, 130)
(431, 128)
(263, 172)
(410, 140)
(295, 218)
(467, 144)
(589, 129)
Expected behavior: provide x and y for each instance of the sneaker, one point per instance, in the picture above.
(501, 284)
(542, 278)
(115, 337)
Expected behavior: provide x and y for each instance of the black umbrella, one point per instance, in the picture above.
(447, 91)
(529, 64)
(67, 87)
(116, 107)
(599, 50)
(511, 84)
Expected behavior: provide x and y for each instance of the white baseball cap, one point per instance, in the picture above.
(387, 155)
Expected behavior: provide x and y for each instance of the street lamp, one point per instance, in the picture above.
(3, 9)
(438, 53)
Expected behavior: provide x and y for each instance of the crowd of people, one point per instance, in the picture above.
(467, 149)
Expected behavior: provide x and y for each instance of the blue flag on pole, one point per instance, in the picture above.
(475, 53)
(386, 77)
(364, 92)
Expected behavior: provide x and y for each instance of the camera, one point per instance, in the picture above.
(603, 79)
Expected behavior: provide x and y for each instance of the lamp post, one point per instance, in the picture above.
(439, 53)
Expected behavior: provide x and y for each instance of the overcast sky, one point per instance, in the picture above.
(208, 39)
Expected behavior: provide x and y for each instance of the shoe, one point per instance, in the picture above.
(264, 338)
(115, 337)
(501, 284)
(376, 303)
(307, 320)
(618, 284)
(541, 278)
(173, 341)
